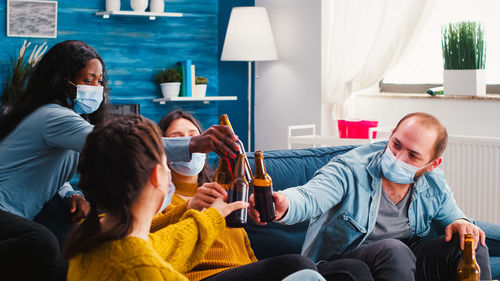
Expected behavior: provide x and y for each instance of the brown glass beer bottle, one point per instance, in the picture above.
(224, 173)
(468, 269)
(263, 190)
(224, 120)
(238, 191)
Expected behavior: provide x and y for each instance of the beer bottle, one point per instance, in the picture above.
(224, 173)
(263, 190)
(468, 269)
(224, 120)
(238, 191)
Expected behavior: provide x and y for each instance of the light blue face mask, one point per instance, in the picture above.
(192, 167)
(168, 197)
(88, 98)
(396, 170)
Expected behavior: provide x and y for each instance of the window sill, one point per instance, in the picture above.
(495, 97)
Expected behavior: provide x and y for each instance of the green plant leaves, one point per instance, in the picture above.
(463, 45)
(168, 75)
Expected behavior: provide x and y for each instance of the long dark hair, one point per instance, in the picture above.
(48, 83)
(206, 175)
(115, 164)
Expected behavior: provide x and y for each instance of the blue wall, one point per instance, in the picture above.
(135, 48)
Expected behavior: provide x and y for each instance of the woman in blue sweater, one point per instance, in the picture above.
(41, 135)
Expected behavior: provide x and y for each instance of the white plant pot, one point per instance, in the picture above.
(170, 90)
(157, 6)
(139, 5)
(112, 5)
(201, 90)
(464, 82)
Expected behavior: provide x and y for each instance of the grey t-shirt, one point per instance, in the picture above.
(392, 219)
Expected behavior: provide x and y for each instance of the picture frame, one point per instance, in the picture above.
(31, 18)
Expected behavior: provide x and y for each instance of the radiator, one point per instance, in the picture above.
(472, 167)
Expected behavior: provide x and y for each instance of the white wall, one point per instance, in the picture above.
(287, 91)
(461, 117)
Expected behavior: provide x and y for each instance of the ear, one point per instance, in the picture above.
(155, 178)
(434, 164)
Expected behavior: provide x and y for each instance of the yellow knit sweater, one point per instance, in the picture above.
(230, 249)
(167, 254)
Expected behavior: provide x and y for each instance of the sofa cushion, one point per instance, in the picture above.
(287, 168)
(495, 267)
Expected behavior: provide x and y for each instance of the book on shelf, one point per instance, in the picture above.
(181, 67)
(193, 87)
(186, 87)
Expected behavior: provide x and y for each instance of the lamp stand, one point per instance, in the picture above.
(249, 105)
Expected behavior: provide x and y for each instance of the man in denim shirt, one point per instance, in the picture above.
(377, 202)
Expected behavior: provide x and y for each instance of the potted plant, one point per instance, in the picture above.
(464, 57)
(201, 86)
(21, 68)
(170, 82)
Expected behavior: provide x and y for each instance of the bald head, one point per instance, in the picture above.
(429, 122)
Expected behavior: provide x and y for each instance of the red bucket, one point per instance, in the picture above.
(356, 128)
(342, 128)
(365, 126)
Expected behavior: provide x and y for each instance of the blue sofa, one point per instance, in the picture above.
(295, 167)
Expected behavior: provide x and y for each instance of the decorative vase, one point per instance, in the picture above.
(171, 89)
(157, 6)
(112, 5)
(139, 5)
(201, 90)
(464, 82)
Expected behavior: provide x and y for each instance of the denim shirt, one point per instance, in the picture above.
(342, 201)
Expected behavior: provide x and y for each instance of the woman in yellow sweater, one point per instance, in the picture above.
(231, 256)
(123, 172)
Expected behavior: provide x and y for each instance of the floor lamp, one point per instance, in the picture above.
(249, 38)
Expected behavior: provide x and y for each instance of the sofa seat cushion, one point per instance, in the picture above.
(495, 267)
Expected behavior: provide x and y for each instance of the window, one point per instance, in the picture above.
(424, 64)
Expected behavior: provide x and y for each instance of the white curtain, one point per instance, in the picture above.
(363, 40)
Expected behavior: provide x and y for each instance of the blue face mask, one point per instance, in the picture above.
(396, 170)
(168, 197)
(190, 168)
(88, 98)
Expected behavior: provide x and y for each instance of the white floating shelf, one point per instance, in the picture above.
(152, 16)
(204, 99)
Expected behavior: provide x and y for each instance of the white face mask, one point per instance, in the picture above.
(88, 98)
(168, 197)
(396, 170)
(190, 168)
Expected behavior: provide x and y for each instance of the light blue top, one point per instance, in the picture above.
(342, 201)
(39, 157)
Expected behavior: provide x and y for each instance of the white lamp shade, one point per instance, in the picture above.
(249, 36)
